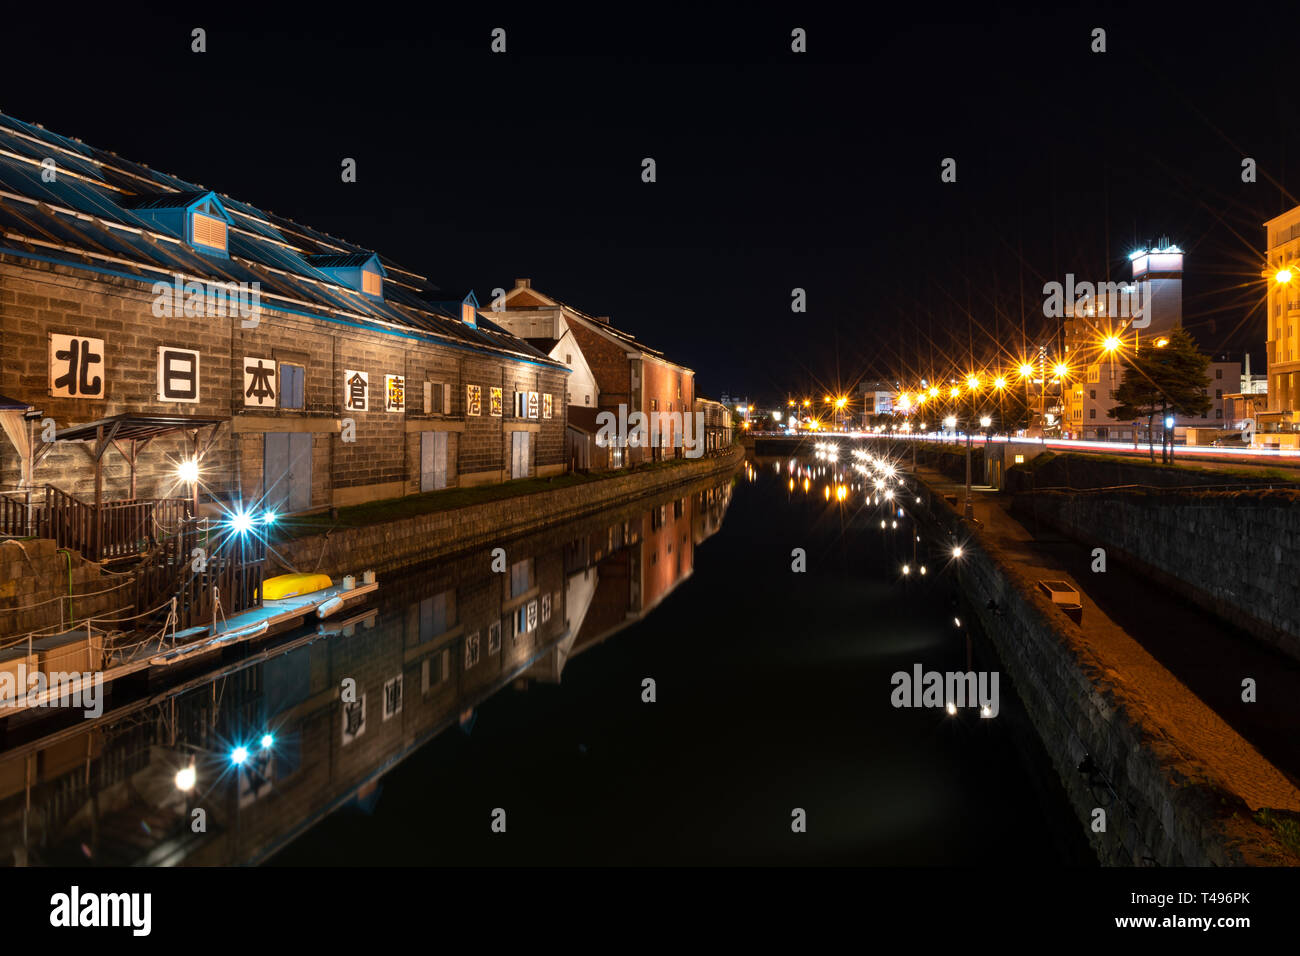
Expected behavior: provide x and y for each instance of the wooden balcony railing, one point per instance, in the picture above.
(116, 530)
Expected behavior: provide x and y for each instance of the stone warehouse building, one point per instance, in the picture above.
(611, 369)
(315, 373)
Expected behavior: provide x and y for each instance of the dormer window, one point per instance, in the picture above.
(197, 218)
(360, 271)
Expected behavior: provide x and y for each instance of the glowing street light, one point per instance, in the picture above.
(1026, 371)
(1000, 383)
(985, 421)
(185, 778)
(1111, 344)
(188, 471)
(1283, 276)
(973, 383)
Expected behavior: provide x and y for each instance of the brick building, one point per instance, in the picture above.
(333, 376)
(611, 369)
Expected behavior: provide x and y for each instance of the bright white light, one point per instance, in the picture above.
(267, 740)
(956, 551)
(986, 711)
(1169, 422)
(923, 569)
(238, 755)
(188, 471)
(185, 778)
(952, 709)
(956, 622)
(985, 421)
(268, 517)
(242, 522)
(906, 569)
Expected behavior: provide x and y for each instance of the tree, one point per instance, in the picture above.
(1164, 380)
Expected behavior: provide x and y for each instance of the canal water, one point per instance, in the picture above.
(497, 711)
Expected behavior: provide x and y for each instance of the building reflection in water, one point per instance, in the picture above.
(235, 758)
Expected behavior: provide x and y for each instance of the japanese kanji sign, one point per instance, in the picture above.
(178, 375)
(494, 394)
(356, 391)
(394, 393)
(473, 400)
(259, 382)
(532, 404)
(76, 366)
(546, 405)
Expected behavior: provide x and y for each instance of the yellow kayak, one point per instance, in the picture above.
(292, 585)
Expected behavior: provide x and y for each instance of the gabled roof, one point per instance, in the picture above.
(619, 336)
(345, 260)
(97, 215)
(167, 200)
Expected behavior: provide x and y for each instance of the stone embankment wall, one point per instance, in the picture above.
(1162, 806)
(1233, 553)
(393, 544)
(1052, 470)
(36, 579)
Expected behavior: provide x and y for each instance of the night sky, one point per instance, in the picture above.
(775, 170)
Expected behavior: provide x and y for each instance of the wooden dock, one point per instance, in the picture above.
(162, 652)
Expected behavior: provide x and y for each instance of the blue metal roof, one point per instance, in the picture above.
(95, 214)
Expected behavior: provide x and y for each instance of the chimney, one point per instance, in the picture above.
(603, 319)
(523, 283)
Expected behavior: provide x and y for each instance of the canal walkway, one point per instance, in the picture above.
(1172, 633)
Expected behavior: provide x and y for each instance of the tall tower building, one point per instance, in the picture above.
(1158, 274)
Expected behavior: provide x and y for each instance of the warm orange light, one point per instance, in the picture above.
(806, 403)
(841, 402)
(1161, 342)
(1026, 370)
(999, 382)
(1283, 276)
(1061, 370)
(973, 383)
(954, 391)
(1111, 344)
(934, 391)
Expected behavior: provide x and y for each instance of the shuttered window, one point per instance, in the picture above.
(291, 386)
(372, 283)
(209, 231)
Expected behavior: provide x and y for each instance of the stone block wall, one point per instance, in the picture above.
(36, 579)
(1166, 808)
(1233, 553)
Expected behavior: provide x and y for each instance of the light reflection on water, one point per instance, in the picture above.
(524, 691)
